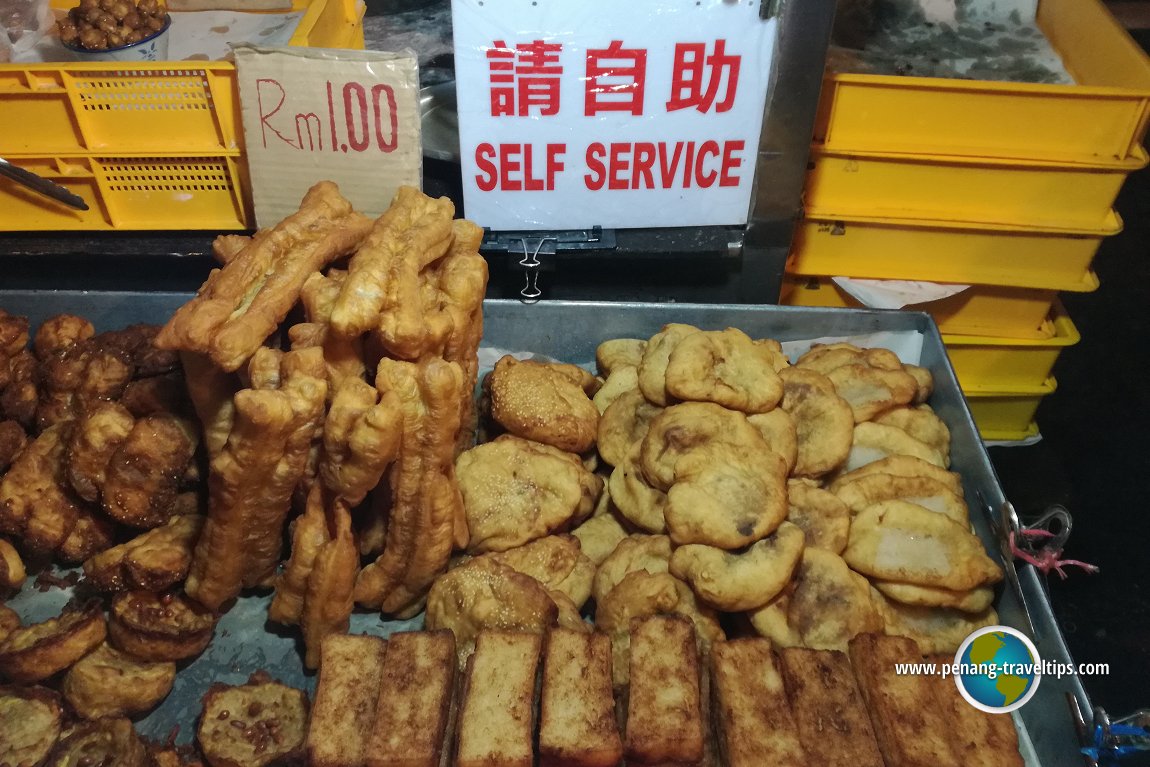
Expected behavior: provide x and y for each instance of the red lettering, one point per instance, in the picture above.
(594, 179)
(360, 142)
(619, 164)
(331, 118)
(644, 161)
(488, 180)
(688, 164)
(667, 170)
(388, 144)
(509, 165)
(265, 126)
(530, 183)
(554, 162)
(707, 179)
(730, 163)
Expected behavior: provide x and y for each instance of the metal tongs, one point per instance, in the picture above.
(41, 185)
(1038, 544)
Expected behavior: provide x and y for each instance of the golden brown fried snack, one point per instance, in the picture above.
(577, 725)
(309, 534)
(92, 532)
(824, 519)
(933, 550)
(623, 423)
(637, 502)
(305, 384)
(60, 332)
(485, 594)
(104, 741)
(240, 305)
(331, 585)
(744, 580)
(824, 358)
(901, 466)
(619, 353)
(725, 367)
(227, 246)
(33, 501)
(726, 497)
(12, 572)
(921, 423)
(557, 562)
(20, 397)
(656, 355)
(13, 334)
(873, 442)
(98, 434)
(343, 712)
(980, 739)
(361, 437)
(344, 356)
(871, 391)
(35, 652)
(239, 486)
(426, 498)
(144, 474)
(211, 391)
(649, 553)
(256, 724)
(599, 536)
(9, 622)
(973, 601)
(780, 433)
(622, 380)
(927, 492)
(936, 629)
(824, 423)
(153, 561)
(30, 718)
(515, 490)
(157, 627)
(413, 232)
(537, 401)
(167, 393)
(683, 428)
(106, 682)
(12, 441)
(925, 381)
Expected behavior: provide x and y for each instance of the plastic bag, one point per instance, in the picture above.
(25, 22)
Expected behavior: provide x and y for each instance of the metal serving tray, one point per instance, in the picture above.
(570, 331)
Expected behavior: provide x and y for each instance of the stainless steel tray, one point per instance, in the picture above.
(570, 331)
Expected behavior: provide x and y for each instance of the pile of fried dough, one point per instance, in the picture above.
(703, 474)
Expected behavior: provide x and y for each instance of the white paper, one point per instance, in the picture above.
(582, 158)
(895, 294)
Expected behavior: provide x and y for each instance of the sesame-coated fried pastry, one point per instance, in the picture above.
(540, 401)
(241, 304)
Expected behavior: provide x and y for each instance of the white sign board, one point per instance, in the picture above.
(312, 114)
(601, 112)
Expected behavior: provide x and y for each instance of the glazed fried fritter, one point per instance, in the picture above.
(20, 397)
(515, 490)
(153, 561)
(932, 550)
(156, 627)
(12, 572)
(540, 401)
(37, 651)
(31, 719)
(98, 434)
(725, 367)
(58, 333)
(33, 501)
(91, 532)
(143, 475)
(12, 441)
(166, 393)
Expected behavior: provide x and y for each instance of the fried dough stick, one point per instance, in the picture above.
(382, 287)
(344, 356)
(425, 498)
(211, 391)
(238, 485)
(241, 304)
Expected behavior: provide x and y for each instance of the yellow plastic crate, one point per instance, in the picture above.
(140, 135)
(987, 362)
(1104, 116)
(948, 251)
(981, 310)
(1024, 192)
(1007, 415)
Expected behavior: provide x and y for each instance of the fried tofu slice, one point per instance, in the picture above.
(753, 720)
(343, 714)
(832, 722)
(981, 739)
(497, 716)
(413, 714)
(909, 721)
(577, 725)
(664, 708)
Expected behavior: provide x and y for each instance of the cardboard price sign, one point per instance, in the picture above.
(313, 114)
(616, 114)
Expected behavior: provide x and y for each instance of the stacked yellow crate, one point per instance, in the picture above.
(1007, 187)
